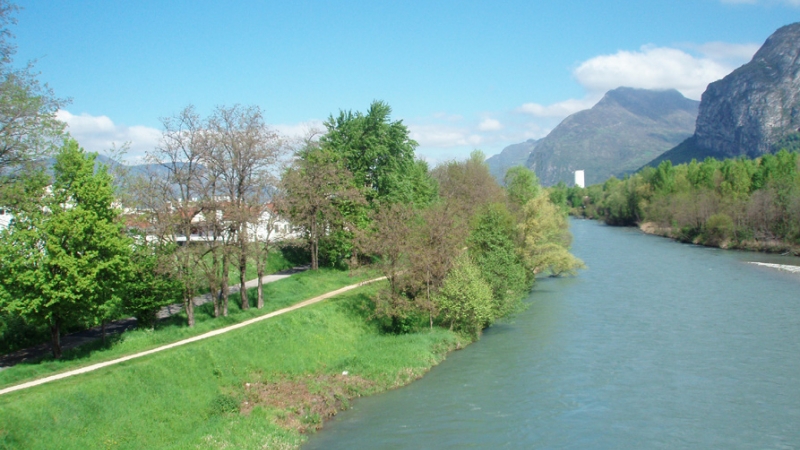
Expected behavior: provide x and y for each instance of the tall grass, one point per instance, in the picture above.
(188, 397)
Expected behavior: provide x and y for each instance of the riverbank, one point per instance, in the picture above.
(769, 246)
(256, 387)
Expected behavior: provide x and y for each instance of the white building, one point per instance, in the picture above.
(5, 218)
(579, 181)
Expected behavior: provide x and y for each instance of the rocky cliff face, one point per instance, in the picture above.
(623, 131)
(750, 110)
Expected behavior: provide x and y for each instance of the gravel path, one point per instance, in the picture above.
(94, 367)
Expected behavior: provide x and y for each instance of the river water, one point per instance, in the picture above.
(656, 345)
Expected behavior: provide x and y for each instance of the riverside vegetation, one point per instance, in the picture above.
(742, 203)
(91, 243)
(458, 262)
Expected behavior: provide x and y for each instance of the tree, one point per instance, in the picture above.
(244, 151)
(29, 128)
(522, 185)
(465, 299)
(66, 254)
(316, 188)
(171, 197)
(377, 152)
(545, 239)
(148, 288)
(492, 247)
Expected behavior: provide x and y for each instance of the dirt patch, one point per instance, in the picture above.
(303, 403)
(656, 229)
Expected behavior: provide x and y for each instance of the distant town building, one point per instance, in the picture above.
(579, 181)
(5, 218)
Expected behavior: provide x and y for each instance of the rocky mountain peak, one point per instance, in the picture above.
(751, 109)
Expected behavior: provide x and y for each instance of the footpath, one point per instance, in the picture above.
(120, 326)
(227, 329)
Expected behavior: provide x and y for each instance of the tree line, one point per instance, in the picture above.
(737, 203)
(457, 248)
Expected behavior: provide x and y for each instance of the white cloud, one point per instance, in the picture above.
(100, 134)
(443, 136)
(651, 68)
(560, 109)
(489, 124)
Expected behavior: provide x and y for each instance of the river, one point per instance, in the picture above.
(656, 345)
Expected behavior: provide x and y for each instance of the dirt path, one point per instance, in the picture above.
(94, 367)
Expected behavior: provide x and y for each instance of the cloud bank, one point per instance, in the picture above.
(100, 134)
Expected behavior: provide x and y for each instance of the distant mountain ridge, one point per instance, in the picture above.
(622, 132)
(751, 110)
(513, 155)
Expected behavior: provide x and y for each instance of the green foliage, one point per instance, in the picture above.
(746, 203)
(465, 299)
(379, 153)
(65, 256)
(491, 244)
(148, 289)
(545, 239)
(521, 185)
(718, 228)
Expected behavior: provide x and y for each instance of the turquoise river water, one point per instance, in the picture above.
(656, 345)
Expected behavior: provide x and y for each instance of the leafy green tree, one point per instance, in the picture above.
(545, 239)
(66, 254)
(491, 244)
(465, 299)
(378, 152)
(316, 190)
(148, 287)
(522, 185)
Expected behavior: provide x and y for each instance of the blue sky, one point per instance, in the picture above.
(461, 74)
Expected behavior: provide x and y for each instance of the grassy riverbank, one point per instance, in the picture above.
(256, 387)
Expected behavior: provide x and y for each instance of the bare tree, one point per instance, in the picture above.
(173, 195)
(244, 154)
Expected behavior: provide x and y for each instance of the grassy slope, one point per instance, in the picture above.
(279, 294)
(171, 400)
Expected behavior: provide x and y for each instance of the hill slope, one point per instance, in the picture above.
(623, 131)
(513, 155)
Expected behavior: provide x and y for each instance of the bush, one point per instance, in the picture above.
(718, 229)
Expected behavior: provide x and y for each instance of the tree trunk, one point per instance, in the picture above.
(314, 246)
(243, 268)
(260, 270)
(225, 281)
(55, 337)
(214, 285)
(103, 328)
(188, 304)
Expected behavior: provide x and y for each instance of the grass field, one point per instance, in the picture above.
(256, 387)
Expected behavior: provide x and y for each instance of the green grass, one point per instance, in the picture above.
(279, 294)
(187, 397)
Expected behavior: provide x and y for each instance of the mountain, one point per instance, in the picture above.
(753, 109)
(513, 155)
(622, 132)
